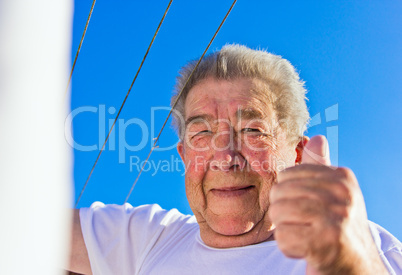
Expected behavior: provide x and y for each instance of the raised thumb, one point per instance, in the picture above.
(316, 151)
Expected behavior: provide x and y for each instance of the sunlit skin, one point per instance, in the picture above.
(241, 194)
(232, 151)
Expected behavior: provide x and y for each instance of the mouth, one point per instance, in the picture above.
(229, 192)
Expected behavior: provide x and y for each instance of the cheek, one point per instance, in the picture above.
(264, 161)
(195, 172)
(196, 167)
(196, 163)
(264, 155)
(200, 143)
(258, 142)
(194, 192)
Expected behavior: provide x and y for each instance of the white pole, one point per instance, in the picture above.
(35, 176)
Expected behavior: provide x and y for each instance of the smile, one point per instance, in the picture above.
(232, 191)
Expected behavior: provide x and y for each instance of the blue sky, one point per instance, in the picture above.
(348, 53)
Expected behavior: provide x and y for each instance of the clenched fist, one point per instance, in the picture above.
(319, 214)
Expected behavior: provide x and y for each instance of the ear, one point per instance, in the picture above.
(299, 149)
(180, 149)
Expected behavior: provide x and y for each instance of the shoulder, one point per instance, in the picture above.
(121, 236)
(389, 247)
(125, 216)
(384, 240)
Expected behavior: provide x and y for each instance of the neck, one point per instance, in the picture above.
(261, 232)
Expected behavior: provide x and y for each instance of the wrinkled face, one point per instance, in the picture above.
(232, 150)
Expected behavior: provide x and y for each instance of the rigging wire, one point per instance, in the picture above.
(177, 99)
(79, 46)
(122, 105)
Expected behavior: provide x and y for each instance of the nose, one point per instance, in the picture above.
(226, 150)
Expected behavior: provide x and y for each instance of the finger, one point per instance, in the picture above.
(306, 171)
(300, 211)
(330, 191)
(316, 151)
(289, 236)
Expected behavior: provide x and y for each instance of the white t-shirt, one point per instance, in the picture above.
(148, 240)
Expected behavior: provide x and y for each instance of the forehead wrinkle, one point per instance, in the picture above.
(250, 109)
(192, 102)
(199, 119)
(249, 113)
(254, 100)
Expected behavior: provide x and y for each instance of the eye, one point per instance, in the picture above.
(201, 133)
(250, 130)
(204, 132)
(253, 131)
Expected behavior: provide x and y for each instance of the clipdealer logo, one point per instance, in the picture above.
(117, 140)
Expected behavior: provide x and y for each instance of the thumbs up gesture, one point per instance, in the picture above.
(319, 215)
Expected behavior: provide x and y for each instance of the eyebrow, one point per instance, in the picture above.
(249, 113)
(199, 119)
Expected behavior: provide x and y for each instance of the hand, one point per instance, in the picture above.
(319, 214)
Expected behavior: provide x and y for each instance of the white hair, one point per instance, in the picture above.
(286, 89)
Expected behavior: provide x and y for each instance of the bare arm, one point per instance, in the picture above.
(79, 260)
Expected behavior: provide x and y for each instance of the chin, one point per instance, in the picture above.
(231, 226)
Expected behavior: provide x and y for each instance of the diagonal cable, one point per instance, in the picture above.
(177, 99)
(122, 105)
(79, 46)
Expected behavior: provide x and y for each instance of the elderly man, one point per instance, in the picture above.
(265, 199)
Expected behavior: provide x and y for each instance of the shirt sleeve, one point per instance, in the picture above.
(118, 237)
(389, 247)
